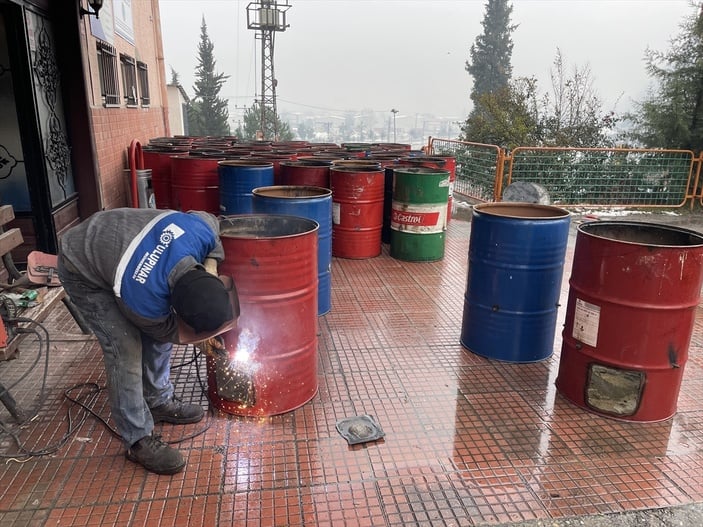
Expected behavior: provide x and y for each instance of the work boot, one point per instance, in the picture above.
(156, 456)
(177, 412)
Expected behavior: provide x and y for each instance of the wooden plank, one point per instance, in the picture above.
(7, 214)
(47, 299)
(10, 240)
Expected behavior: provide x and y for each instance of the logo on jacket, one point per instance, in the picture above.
(151, 258)
(171, 232)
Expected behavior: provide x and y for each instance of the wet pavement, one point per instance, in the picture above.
(467, 440)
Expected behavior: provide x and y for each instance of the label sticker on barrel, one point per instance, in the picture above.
(420, 219)
(336, 212)
(586, 321)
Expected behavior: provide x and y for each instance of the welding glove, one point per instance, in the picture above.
(210, 265)
(214, 346)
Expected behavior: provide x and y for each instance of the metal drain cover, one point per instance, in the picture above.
(359, 429)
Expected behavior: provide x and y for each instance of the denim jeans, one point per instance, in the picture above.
(137, 366)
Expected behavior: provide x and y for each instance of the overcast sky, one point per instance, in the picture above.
(342, 56)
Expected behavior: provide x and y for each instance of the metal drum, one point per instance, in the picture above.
(238, 178)
(314, 203)
(633, 294)
(306, 172)
(516, 263)
(159, 161)
(270, 364)
(145, 190)
(276, 160)
(353, 163)
(194, 184)
(388, 165)
(387, 201)
(419, 213)
(450, 165)
(357, 211)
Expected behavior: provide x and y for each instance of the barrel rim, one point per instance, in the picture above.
(187, 157)
(307, 163)
(244, 163)
(421, 170)
(354, 169)
(355, 162)
(314, 225)
(321, 191)
(583, 229)
(558, 213)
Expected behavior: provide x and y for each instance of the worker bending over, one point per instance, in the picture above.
(144, 279)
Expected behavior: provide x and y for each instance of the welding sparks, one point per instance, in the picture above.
(240, 356)
(246, 345)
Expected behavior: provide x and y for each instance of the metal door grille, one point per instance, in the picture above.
(107, 67)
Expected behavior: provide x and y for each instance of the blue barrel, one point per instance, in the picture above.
(516, 263)
(314, 203)
(237, 180)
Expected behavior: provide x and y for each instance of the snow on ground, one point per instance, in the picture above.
(618, 212)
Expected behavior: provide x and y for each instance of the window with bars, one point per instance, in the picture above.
(129, 79)
(107, 68)
(143, 73)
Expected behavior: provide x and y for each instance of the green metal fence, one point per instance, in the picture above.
(595, 177)
(477, 166)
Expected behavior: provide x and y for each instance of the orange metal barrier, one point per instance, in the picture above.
(593, 177)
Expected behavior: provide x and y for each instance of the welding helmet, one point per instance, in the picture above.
(201, 300)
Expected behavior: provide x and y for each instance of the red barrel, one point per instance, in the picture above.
(159, 161)
(450, 165)
(195, 184)
(306, 172)
(357, 211)
(270, 364)
(332, 154)
(291, 145)
(396, 147)
(372, 163)
(634, 290)
(276, 159)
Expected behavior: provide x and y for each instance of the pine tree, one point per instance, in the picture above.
(491, 53)
(509, 113)
(509, 117)
(490, 66)
(208, 113)
(252, 124)
(672, 115)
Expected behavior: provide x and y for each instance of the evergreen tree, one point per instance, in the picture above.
(491, 69)
(175, 78)
(491, 53)
(306, 131)
(208, 113)
(509, 116)
(252, 125)
(672, 115)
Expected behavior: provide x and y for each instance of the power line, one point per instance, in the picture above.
(346, 110)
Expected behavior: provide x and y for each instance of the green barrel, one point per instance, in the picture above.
(419, 213)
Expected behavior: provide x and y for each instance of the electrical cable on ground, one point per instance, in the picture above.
(84, 401)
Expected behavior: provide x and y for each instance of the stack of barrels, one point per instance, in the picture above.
(378, 193)
(285, 210)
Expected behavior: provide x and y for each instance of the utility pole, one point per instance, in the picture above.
(267, 17)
